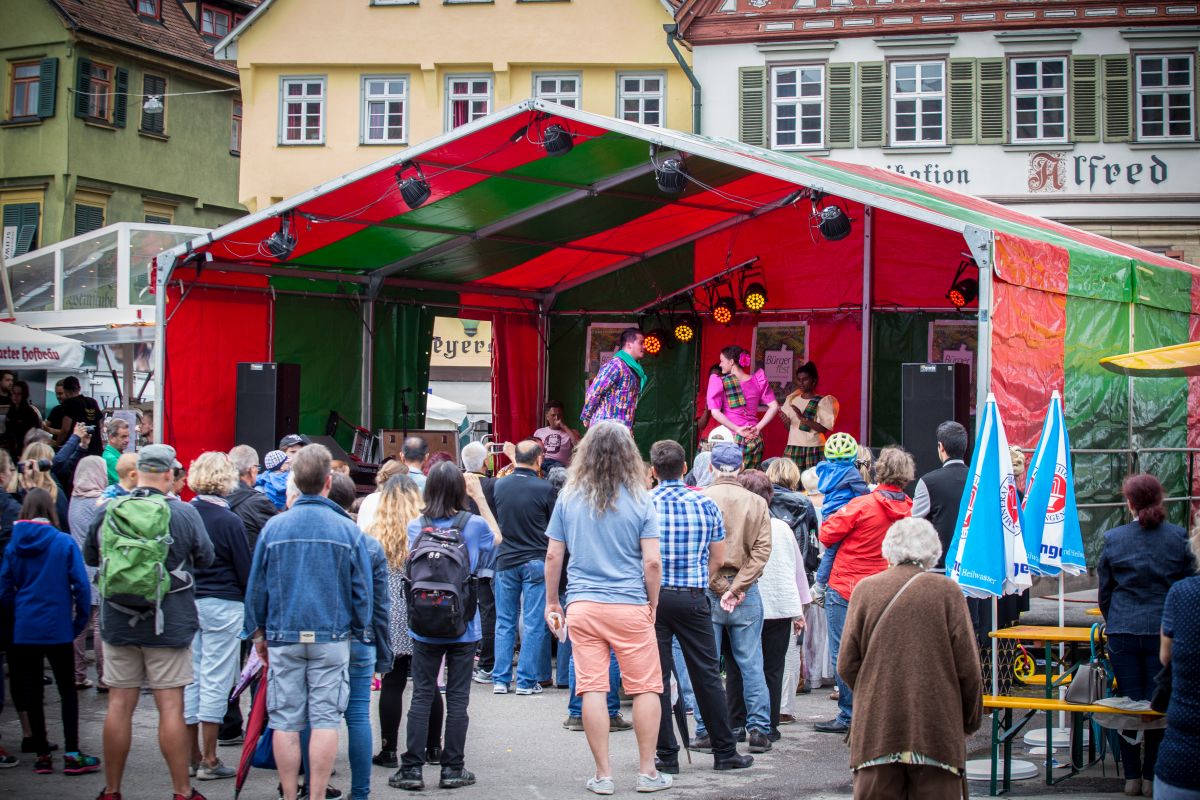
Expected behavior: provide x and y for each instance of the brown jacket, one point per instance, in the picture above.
(747, 535)
(916, 680)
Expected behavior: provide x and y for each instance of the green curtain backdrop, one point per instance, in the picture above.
(403, 334)
(666, 409)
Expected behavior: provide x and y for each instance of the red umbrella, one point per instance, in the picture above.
(254, 728)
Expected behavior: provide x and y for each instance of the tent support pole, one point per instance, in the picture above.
(864, 387)
(367, 377)
(160, 346)
(980, 241)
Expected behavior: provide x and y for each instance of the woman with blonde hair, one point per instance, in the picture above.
(399, 504)
(32, 476)
(220, 596)
(369, 506)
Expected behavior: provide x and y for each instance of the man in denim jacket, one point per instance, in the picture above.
(309, 592)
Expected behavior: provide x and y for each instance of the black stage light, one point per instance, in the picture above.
(685, 327)
(723, 311)
(963, 292)
(755, 297)
(414, 191)
(282, 243)
(557, 140)
(834, 224)
(654, 341)
(671, 175)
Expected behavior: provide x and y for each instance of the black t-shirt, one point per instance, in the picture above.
(524, 503)
(85, 410)
(55, 417)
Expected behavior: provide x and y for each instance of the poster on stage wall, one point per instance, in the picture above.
(603, 342)
(953, 341)
(779, 348)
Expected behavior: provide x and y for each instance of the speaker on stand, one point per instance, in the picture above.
(268, 404)
(931, 394)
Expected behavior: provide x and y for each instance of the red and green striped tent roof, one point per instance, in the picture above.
(507, 219)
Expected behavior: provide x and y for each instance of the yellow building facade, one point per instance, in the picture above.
(331, 85)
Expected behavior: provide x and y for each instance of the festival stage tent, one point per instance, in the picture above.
(548, 245)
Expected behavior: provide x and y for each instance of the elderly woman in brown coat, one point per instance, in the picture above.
(908, 652)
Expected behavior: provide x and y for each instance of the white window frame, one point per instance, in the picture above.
(797, 101)
(470, 96)
(920, 97)
(641, 95)
(386, 97)
(1189, 91)
(284, 81)
(1040, 94)
(558, 95)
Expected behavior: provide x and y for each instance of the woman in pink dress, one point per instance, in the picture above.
(734, 397)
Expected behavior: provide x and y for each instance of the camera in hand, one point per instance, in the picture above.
(41, 465)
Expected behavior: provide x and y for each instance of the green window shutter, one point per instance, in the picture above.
(993, 110)
(839, 105)
(83, 85)
(963, 82)
(154, 122)
(47, 87)
(1085, 98)
(752, 101)
(23, 217)
(871, 102)
(88, 218)
(120, 97)
(1118, 106)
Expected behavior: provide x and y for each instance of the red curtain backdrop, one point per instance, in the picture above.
(518, 355)
(1029, 327)
(207, 335)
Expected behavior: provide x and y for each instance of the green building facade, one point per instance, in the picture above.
(113, 111)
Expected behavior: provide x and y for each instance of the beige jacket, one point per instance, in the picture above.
(747, 535)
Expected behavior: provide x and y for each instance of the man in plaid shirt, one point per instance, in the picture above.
(692, 542)
(619, 383)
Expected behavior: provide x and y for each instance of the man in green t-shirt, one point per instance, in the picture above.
(117, 434)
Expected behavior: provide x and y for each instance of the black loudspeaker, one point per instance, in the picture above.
(931, 394)
(268, 404)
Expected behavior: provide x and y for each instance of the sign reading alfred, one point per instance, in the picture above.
(1059, 171)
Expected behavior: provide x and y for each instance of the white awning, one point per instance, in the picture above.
(27, 348)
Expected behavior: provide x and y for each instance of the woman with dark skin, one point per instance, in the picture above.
(810, 417)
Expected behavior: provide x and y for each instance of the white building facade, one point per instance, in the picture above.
(1083, 112)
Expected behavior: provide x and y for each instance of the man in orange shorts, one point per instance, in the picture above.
(605, 518)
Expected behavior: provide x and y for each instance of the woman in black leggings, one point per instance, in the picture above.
(399, 503)
(43, 580)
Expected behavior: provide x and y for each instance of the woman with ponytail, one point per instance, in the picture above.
(734, 397)
(1138, 565)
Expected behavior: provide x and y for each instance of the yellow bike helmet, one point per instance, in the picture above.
(841, 447)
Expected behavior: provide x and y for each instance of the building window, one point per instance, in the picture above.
(100, 91)
(215, 21)
(918, 103)
(158, 213)
(21, 215)
(235, 127)
(303, 113)
(88, 218)
(561, 89)
(154, 119)
(1165, 97)
(797, 107)
(26, 83)
(467, 99)
(640, 98)
(149, 8)
(1039, 100)
(385, 109)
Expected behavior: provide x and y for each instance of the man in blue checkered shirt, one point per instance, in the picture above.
(692, 540)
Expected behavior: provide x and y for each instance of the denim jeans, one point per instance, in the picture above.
(216, 658)
(1165, 791)
(521, 592)
(744, 629)
(836, 607)
(575, 705)
(358, 718)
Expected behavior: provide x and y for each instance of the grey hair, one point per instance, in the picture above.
(114, 426)
(607, 459)
(244, 458)
(473, 456)
(912, 540)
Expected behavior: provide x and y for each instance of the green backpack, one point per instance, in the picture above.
(135, 539)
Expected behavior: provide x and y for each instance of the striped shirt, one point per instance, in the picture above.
(688, 522)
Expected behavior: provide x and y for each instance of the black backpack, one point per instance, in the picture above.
(438, 583)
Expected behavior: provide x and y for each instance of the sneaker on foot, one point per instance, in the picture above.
(86, 683)
(232, 741)
(386, 758)
(600, 785)
(573, 723)
(619, 723)
(481, 676)
(217, 771)
(43, 765)
(499, 688)
(80, 764)
(456, 778)
(535, 689)
(656, 784)
(407, 778)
